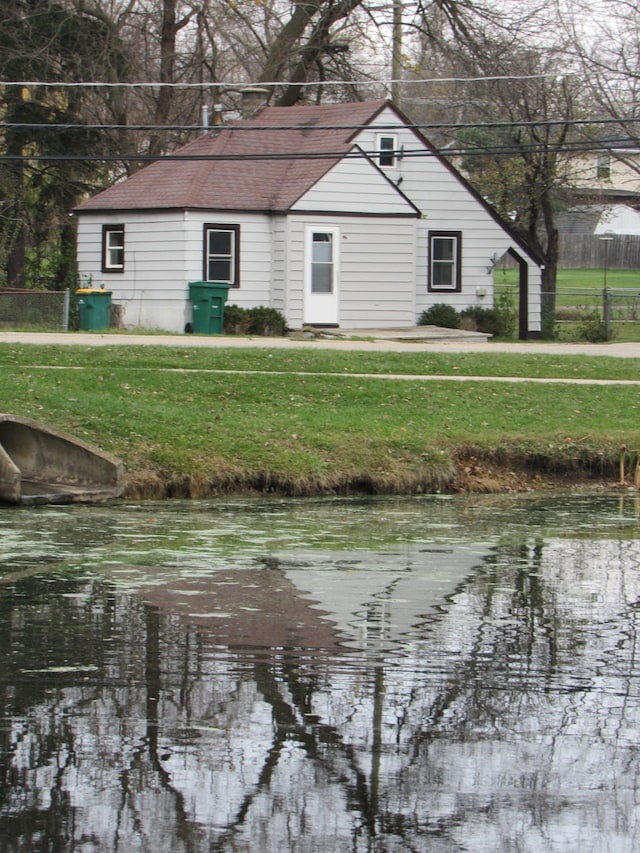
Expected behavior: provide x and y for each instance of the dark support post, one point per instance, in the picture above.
(523, 295)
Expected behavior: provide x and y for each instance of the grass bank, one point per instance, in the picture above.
(191, 422)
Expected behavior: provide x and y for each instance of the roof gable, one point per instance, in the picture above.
(377, 194)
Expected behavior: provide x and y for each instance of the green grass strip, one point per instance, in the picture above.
(303, 423)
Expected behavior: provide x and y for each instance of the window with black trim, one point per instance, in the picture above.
(113, 248)
(445, 251)
(386, 150)
(222, 254)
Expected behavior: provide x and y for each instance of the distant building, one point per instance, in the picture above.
(607, 175)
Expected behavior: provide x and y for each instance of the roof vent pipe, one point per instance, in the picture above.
(205, 118)
(253, 97)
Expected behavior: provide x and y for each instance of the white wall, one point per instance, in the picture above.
(376, 269)
(376, 245)
(163, 253)
(447, 205)
(152, 288)
(355, 186)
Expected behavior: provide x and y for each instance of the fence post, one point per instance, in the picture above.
(606, 312)
(65, 310)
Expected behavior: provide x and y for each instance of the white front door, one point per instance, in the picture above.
(321, 276)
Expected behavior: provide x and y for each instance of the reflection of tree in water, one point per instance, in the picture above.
(184, 744)
(36, 640)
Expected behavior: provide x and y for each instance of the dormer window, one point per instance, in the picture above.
(387, 147)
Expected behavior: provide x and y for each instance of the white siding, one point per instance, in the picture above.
(354, 185)
(280, 247)
(255, 254)
(151, 291)
(447, 205)
(163, 253)
(377, 271)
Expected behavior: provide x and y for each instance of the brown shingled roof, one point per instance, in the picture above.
(238, 183)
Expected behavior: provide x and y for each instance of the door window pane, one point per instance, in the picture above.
(322, 263)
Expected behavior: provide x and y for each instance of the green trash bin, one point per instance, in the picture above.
(94, 308)
(208, 299)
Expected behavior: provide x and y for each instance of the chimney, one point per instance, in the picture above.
(218, 118)
(253, 97)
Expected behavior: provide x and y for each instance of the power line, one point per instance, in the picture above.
(239, 86)
(240, 128)
(468, 151)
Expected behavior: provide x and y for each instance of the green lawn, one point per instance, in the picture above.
(195, 422)
(580, 294)
(583, 280)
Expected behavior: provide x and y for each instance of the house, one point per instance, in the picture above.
(336, 215)
(599, 219)
(598, 235)
(608, 174)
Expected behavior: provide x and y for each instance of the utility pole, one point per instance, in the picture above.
(396, 54)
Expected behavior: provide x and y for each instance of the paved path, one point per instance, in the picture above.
(384, 341)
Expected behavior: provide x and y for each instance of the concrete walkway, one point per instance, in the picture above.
(420, 339)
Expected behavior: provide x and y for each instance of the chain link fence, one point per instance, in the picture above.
(621, 310)
(34, 309)
(589, 314)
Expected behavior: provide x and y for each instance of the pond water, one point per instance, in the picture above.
(428, 674)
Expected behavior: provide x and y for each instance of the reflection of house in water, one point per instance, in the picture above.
(320, 600)
(509, 719)
(380, 597)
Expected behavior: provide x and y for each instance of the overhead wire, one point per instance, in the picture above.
(239, 86)
(446, 152)
(591, 122)
(450, 150)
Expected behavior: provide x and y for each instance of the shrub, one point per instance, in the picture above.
(236, 320)
(507, 314)
(268, 322)
(549, 329)
(487, 320)
(593, 329)
(441, 314)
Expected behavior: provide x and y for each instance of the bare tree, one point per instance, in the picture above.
(608, 54)
(509, 121)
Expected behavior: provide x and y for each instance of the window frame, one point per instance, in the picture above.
(107, 232)
(387, 156)
(456, 262)
(234, 260)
